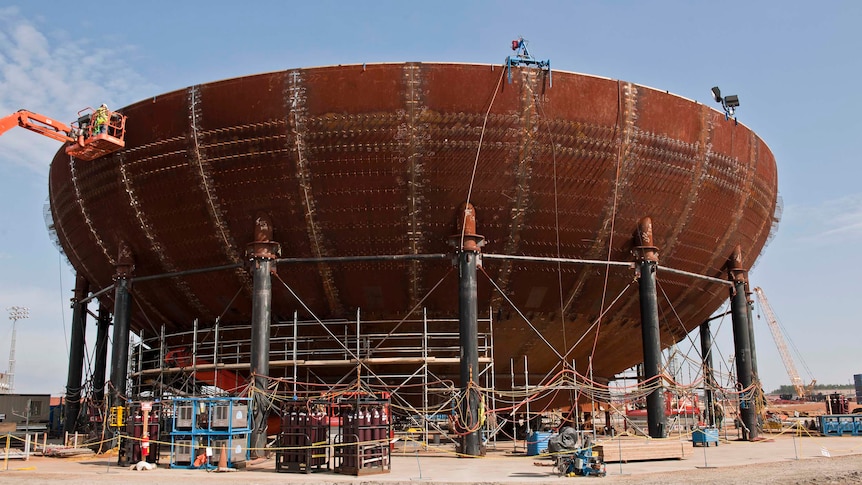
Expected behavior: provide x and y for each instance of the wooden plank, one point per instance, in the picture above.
(644, 450)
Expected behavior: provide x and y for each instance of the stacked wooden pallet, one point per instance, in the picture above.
(641, 450)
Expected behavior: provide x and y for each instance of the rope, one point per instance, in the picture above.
(613, 220)
(478, 150)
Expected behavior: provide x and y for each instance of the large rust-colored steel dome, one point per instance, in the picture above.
(377, 159)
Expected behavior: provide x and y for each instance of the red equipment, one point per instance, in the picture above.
(81, 141)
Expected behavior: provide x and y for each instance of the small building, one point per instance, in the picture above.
(22, 409)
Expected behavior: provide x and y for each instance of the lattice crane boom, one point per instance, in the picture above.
(772, 321)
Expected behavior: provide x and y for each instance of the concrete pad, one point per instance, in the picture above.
(781, 454)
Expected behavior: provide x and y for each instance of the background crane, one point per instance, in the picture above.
(801, 390)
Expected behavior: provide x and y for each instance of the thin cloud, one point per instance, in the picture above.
(830, 222)
(52, 74)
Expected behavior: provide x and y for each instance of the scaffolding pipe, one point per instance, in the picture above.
(194, 352)
(425, 374)
(215, 352)
(359, 259)
(295, 334)
(527, 396)
(595, 262)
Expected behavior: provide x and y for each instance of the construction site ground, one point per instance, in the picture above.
(785, 459)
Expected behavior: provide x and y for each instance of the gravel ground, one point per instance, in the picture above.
(836, 470)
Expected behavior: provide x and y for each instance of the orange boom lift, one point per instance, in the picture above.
(81, 140)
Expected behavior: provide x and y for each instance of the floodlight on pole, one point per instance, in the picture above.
(15, 313)
(728, 103)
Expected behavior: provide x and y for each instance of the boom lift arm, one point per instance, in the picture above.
(82, 140)
(38, 123)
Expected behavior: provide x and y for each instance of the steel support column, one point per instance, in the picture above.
(262, 253)
(76, 355)
(122, 319)
(468, 246)
(708, 378)
(647, 256)
(749, 307)
(101, 357)
(742, 344)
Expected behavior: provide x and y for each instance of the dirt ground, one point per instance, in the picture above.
(837, 470)
(781, 459)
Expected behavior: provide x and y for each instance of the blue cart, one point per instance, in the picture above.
(704, 436)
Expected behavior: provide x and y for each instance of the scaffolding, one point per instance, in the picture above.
(394, 356)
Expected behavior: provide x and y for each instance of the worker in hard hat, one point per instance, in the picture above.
(100, 120)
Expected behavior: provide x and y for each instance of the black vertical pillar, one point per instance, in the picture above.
(749, 305)
(262, 252)
(101, 357)
(122, 322)
(76, 355)
(742, 344)
(468, 245)
(120, 348)
(708, 379)
(647, 255)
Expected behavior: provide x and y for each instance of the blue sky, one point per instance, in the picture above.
(793, 64)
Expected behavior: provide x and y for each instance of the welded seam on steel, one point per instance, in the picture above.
(767, 223)
(80, 200)
(147, 229)
(629, 158)
(742, 201)
(205, 182)
(626, 139)
(58, 226)
(523, 170)
(413, 147)
(626, 134)
(627, 131)
(296, 99)
(704, 149)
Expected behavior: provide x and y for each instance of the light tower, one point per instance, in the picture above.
(15, 313)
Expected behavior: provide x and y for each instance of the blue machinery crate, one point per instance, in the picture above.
(704, 436)
(205, 426)
(841, 424)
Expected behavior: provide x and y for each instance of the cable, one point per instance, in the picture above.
(479, 150)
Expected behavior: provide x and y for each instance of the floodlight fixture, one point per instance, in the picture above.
(728, 103)
(731, 101)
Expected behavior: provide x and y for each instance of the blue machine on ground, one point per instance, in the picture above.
(583, 462)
